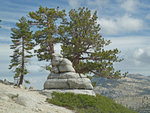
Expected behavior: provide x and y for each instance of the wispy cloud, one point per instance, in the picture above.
(148, 16)
(135, 51)
(130, 5)
(97, 3)
(18, 6)
(6, 27)
(11, 15)
(142, 56)
(74, 3)
(117, 25)
(5, 52)
(9, 20)
(4, 57)
(128, 42)
(4, 39)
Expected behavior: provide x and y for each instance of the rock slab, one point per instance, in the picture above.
(63, 77)
(75, 91)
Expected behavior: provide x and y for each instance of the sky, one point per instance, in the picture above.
(125, 22)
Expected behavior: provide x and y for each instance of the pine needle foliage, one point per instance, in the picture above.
(85, 47)
(22, 46)
(46, 35)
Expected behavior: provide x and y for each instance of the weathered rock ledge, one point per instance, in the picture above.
(75, 91)
(63, 78)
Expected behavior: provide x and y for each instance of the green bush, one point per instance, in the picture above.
(14, 96)
(87, 104)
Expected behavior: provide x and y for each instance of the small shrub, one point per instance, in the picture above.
(27, 81)
(14, 96)
(87, 104)
(93, 82)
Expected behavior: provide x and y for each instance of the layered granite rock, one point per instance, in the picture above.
(64, 77)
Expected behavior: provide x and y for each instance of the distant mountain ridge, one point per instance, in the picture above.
(132, 85)
(132, 91)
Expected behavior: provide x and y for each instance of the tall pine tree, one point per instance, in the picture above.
(22, 46)
(84, 46)
(46, 20)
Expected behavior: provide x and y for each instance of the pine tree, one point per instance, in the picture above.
(84, 46)
(22, 46)
(46, 20)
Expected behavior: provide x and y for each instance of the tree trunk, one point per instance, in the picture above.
(51, 46)
(22, 64)
(83, 70)
(75, 63)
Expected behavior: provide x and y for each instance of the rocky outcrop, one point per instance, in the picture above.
(6, 82)
(63, 76)
(18, 100)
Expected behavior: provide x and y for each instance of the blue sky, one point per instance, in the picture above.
(125, 22)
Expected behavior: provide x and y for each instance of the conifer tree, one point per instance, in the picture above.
(22, 46)
(47, 34)
(84, 46)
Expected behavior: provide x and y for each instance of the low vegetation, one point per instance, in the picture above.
(87, 104)
(14, 96)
